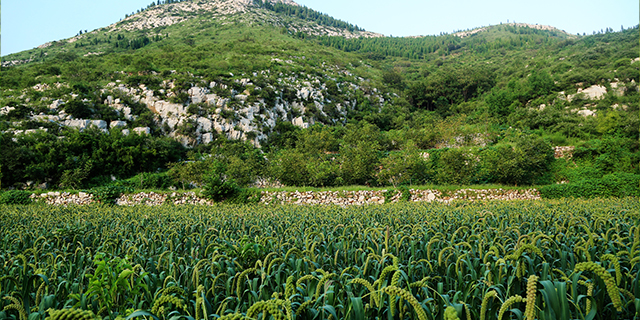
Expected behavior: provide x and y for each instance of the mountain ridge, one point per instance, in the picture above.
(165, 15)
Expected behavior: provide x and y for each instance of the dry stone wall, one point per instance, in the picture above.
(341, 198)
(344, 198)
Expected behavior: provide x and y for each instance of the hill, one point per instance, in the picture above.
(195, 75)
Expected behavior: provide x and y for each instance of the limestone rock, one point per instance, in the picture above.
(77, 123)
(207, 138)
(100, 124)
(142, 130)
(595, 92)
(587, 113)
(118, 124)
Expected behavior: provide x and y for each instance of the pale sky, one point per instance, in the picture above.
(29, 23)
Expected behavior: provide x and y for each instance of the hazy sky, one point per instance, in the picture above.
(29, 23)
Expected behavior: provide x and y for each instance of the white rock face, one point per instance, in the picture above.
(595, 92)
(300, 123)
(126, 132)
(617, 88)
(587, 113)
(167, 109)
(198, 95)
(142, 130)
(207, 138)
(56, 104)
(204, 124)
(117, 124)
(32, 131)
(6, 110)
(100, 124)
(617, 106)
(77, 123)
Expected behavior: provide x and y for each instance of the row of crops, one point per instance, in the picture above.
(559, 259)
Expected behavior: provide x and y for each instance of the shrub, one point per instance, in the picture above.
(246, 196)
(389, 194)
(526, 163)
(406, 194)
(15, 197)
(611, 185)
(452, 166)
(109, 194)
(148, 180)
(218, 190)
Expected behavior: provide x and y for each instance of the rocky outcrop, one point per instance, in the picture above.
(167, 15)
(563, 152)
(595, 92)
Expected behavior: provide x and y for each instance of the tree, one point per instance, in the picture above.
(404, 167)
(540, 84)
(359, 153)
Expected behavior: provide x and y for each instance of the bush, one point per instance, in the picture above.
(246, 196)
(390, 194)
(611, 185)
(148, 180)
(15, 197)
(452, 166)
(109, 194)
(406, 194)
(218, 190)
(528, 162)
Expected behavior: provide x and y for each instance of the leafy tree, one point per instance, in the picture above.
(189, 173)
(540, 84)
(404, 167)
(289, 167)
(78, 109)
(217, 187)
(393, 79)
(359, 153)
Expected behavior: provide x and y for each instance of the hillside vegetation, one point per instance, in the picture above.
(275, 91)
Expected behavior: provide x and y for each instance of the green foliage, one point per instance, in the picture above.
(452, 166)
(609, 155)
(449, 86)
(15, 197)
(83, 155)
(525, 163)
(358, 154)
(73, 178)
(611, 185)
(540, 84)
(502, 103)
(305, 13)
(406, 194)
(404, 167)
(108, 194)
(189, 174)
(217, 189)
(147, 180)
(437, 89)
